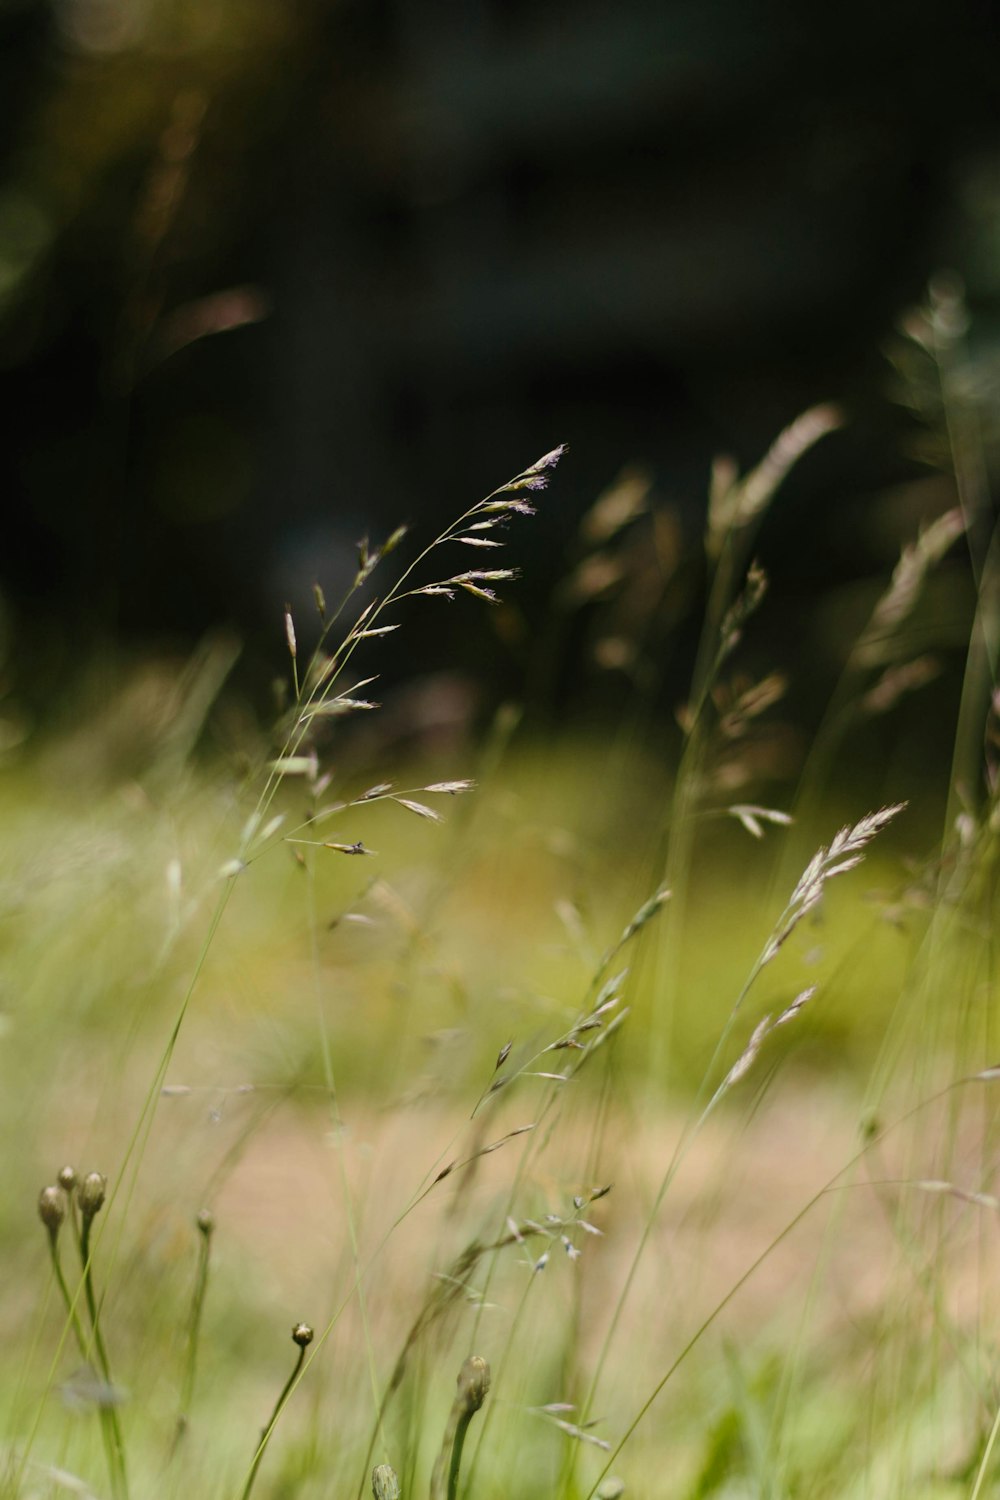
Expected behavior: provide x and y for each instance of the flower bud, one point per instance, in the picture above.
(67, 1179)
(205, 1222)
(385, 1485)
(91, 1193)
(302, 1334)
(473, 1382)
(51, 1209)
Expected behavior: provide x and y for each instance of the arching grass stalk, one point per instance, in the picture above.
(317, 695)
(316, 692)
(302, 1335)
(473, 1385)
(845, 851)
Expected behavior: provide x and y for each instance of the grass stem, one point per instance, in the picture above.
(302, 1335)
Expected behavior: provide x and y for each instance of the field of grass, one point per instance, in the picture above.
(673, 1115)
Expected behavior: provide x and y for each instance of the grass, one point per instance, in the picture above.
(662, 1122)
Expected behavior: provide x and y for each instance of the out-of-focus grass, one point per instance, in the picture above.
(693, 1168)
(419, 963)
(451, 941)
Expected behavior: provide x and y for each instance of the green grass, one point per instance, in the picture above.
(578, 1077)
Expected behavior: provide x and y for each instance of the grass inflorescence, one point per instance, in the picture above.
(696, 1147)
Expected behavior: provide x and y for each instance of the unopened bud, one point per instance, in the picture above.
(385, 1485)
(51, 1209)
(67, 1179)
(91, 1194)
(302, 1335)
(473, 1382)
(205, 1222)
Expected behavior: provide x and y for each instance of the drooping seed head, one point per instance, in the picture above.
(91, 1194)
(51, 1209)
(385, 1485)
(302, 1335)
(67, 1179)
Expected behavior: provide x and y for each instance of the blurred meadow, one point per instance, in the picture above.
(499, 977)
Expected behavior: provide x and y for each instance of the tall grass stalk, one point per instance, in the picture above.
(502, 1240)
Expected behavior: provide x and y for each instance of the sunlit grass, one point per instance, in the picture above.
(483, 934)
(552, 1052)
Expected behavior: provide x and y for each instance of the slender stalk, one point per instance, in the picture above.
(326, 1052)
(91, 1197)
(206, 1225)
(986, 1456)
(302, 1335)
(833, 1184)
(68, 1299)
(52, 1212)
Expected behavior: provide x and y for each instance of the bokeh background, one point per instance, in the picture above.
(279, 274)
(274, 276)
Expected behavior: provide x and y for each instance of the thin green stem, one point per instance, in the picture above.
(981, 1475)
(194, 1328)
(109, 1412)
(69, 1300)
(111, 1448)
(265, 1436)
(326, 1051)
(833, 1184)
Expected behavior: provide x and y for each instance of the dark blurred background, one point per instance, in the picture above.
(277, 273)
